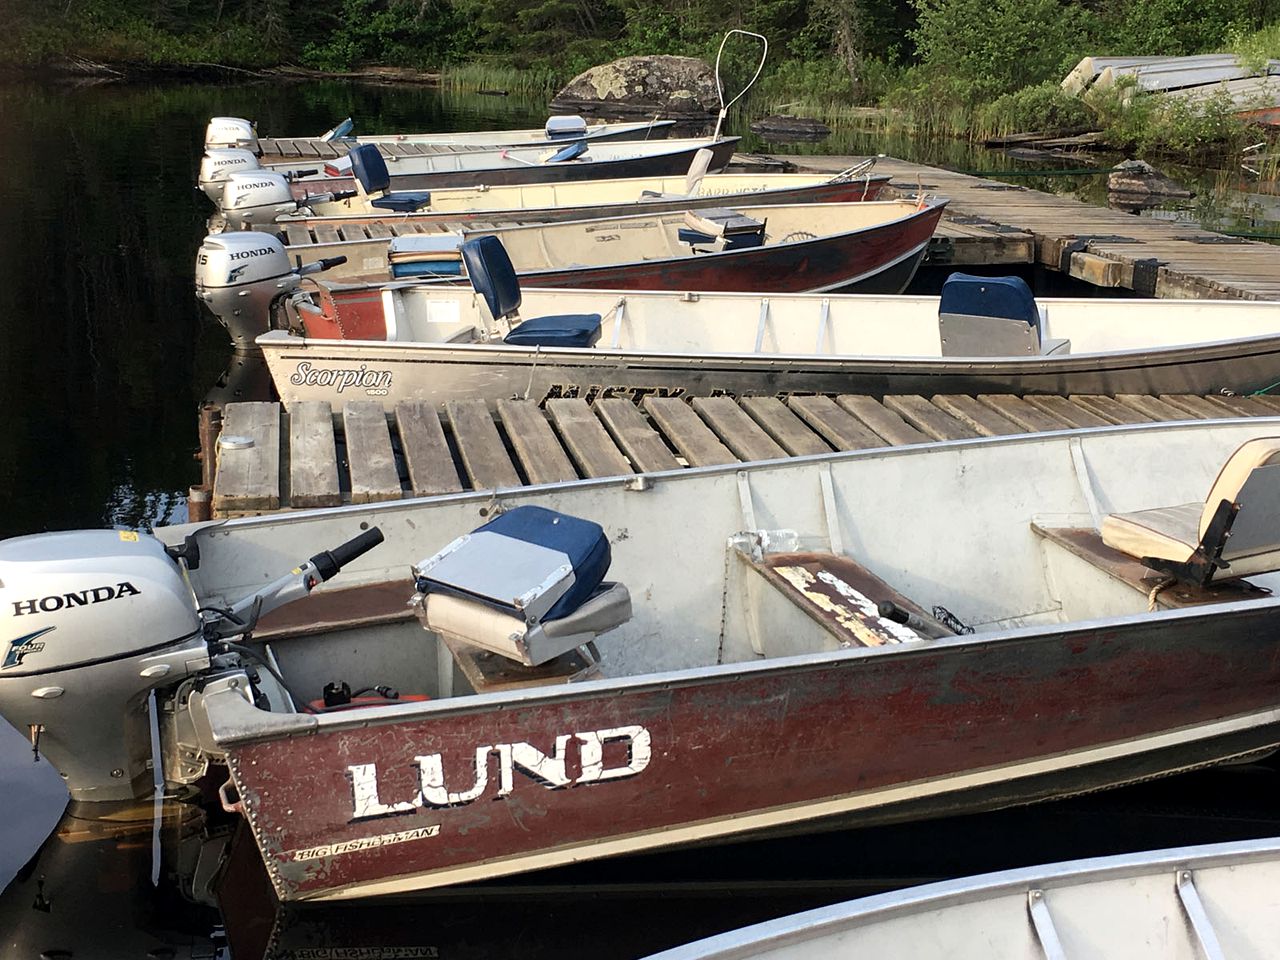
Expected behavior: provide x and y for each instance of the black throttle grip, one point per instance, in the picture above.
(325, 265)
(331, 561)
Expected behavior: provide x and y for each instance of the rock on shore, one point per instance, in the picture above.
(643, 86)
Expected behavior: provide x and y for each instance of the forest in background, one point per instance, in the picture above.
(952, 65)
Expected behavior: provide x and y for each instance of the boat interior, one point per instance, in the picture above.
(838, 555)
(975, 316)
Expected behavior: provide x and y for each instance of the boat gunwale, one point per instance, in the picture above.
(808, 925)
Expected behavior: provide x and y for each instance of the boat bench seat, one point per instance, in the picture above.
(528, 585)
(1234, 532)
(721, 228)
(1086, 544)
(843, 597)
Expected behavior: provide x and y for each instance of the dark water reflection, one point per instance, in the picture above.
(105, 358)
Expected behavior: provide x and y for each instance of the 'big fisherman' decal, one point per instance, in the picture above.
(549, 771)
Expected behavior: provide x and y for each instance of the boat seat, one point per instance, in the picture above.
(374, 182)
(565, 127)
(425, 255)
(843, 597)
(528, 585)
(494, 277)
(570, 151)
(992, 317)
(1234, 532)
(721, 229)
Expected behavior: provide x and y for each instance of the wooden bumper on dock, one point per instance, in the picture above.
(308, 457)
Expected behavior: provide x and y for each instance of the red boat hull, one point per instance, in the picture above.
(461, 790)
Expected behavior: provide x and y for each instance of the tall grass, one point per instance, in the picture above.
(488, 76)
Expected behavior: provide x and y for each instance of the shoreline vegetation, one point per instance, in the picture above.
(972, 69)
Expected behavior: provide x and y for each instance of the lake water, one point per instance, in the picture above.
(106, 356)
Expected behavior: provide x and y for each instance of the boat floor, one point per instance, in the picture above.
(311, 457)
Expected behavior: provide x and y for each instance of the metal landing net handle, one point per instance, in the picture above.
(724, 107)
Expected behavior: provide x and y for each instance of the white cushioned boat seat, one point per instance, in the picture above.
(1251, 478)
(486, 626)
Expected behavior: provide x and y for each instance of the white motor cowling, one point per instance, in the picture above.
(231, 132)
(217, 164)
(256, 197)
(239, 276)
(92, 621)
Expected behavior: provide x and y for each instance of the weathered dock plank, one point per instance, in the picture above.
(426, 452)
(483, 454)
(313, 458)
(370, 459)
(248, 477)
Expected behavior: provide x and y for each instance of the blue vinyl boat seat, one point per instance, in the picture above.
(374, 180)
(570, 151)
(494, 277)
(721, 229)
(992, 317)
(528, 585)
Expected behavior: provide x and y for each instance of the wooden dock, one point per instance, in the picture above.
(310, 457)
(1010, 224)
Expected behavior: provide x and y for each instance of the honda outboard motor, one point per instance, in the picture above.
(255, 197)
(215, 165)
(231, 132)
(241, 275)
(91, 622)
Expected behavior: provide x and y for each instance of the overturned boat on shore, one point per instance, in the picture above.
(983, 335)
(1218, 900)
(728, 650)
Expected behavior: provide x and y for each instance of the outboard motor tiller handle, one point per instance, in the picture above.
(329, 562)
(319, 266)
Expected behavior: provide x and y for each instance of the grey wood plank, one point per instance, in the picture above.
(837, 426)
(313, 456)
(1065, 410)
(1109, 409)
(426, 452)
(1243, 406)
(791, 433)
(249, 479)
(1028, 417)
(326, 233)
(632, 432)
(980, 418)
(379, 230)
(352, 231)
(1268, 401)
(297, 234)
(928, 418)
(686, 432)
(370, 459)
(1153, 407)
(535, 443)
(483, 454)
(1193, 406)
(739, 432)
(590, 445)
(881, 419)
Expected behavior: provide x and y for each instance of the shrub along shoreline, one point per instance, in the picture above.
(974, 69)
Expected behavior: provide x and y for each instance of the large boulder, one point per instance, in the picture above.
(643, 86)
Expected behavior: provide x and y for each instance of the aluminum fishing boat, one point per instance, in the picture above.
(260, 198)
(867, 247)
(1217, 901)
(223, 132)
(606, 666)
(469, 168)
(983, 335)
